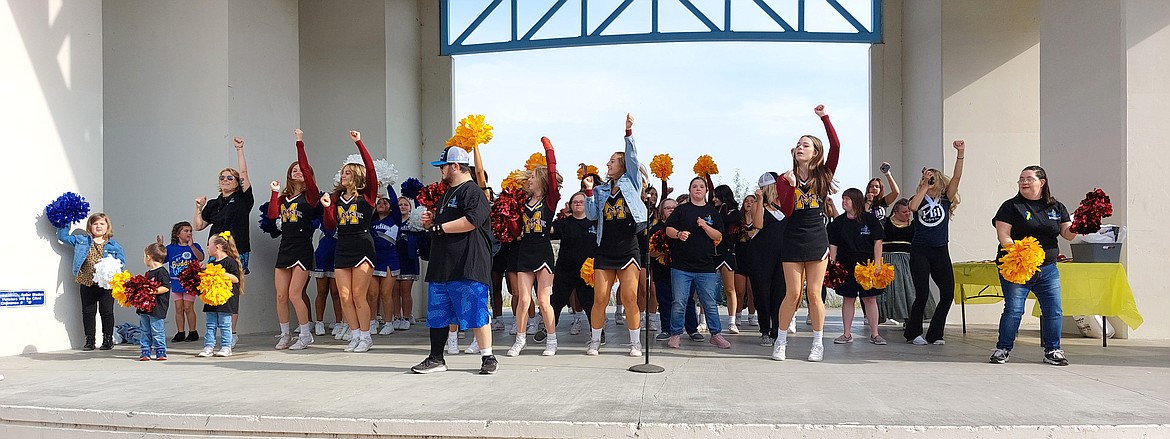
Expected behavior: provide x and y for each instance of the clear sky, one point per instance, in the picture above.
(745, 104)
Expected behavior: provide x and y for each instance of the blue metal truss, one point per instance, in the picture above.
(594, 36)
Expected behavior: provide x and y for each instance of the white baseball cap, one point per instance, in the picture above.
(452, 155)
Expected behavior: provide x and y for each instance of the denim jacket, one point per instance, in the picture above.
(630, 186)
(81, 244)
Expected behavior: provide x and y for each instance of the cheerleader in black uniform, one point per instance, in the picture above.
(620, 216)
(741, 235)
(805, 250)
(295, 207)
(534, 255)
(766, 273)
(724, 201)
(352, 216)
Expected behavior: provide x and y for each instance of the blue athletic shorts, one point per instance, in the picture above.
(462, 302)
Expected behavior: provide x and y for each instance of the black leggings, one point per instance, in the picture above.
(564, 284)
(768, 290)
(96, 300)
(927, 263)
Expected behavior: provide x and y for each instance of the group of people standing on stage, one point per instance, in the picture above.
(770, 252)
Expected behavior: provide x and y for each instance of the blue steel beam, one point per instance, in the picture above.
(595, 37)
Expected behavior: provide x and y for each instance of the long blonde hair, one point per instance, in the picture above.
(229, 247)
(540, 174)
(941, 181)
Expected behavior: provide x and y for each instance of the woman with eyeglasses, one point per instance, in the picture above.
(229, 212)
(934, 205)
(1033, 212)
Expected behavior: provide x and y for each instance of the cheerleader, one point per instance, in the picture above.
(742, 234)
(855, 237)
(229, 211)
(534, 258)
(295, 207)
(724, 201)
(805, 248)
(934, 205)
(409, 235)
(775, 195)
(386, 228)
(619, 219)
(356, 196)
(877, 202)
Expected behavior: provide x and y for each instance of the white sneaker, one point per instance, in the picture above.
(339, 331)
(792, 327)
(517, 347)
(224, 352)
(302, 342)
(655, 323)
(732, 328)
(282, 344)
(642, 322)
(319, 328)
(334, 328)
(635, 350)
(531, 327)
(473, 348)
(297, 330)
(353, 342)
(363, 344)
(405, 325)
(919, 341)
(235, 339)
(577, 323)
(893, 322)
(348, 336)
(550, 348)
(452, 345)
(512, 329)
(702, 323)
(497, 325)
(387, 329)
(778, 351)
(593, 348)
(939, 342)
(462, 335)
(206, 352)
(817, 353)
(753, 320)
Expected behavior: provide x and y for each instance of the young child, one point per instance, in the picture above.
(180, 253)
(153, 323)
(88, 250)
(222, 248)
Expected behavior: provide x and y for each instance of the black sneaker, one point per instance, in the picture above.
(489, 365)
(1055, 357)
(179, 337)
(1000, 356)
(192, 336)
(429, 365)
(540, 336)
(698, 338)
(603, 337)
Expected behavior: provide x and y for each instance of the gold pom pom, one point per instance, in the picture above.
(514, 181)
(705, 166)
(662, 166)
(535, 160)
(471, 132)
(585, 171)
(870, 281)
(1022, 260)
(118, 287)
(587, 272)
(215, 288)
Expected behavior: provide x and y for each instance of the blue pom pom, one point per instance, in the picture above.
(266, 225)
(411, 187)
(67, 209)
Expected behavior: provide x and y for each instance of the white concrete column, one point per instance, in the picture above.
(438, 91)
(885, 94)
(403, 88)
(922, 111)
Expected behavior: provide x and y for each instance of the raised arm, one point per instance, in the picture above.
(197, 222)
(834, 144)
(757, 212)
(552, 196)
(631, 154)
(895, 191)
(371, 190)
(65, 237)
(246, 182)
(273, 201)
(329, 218)
(920, 194)
(953, 186)
(592, 210)
(393, 197)
(312, 193)
(786, 193)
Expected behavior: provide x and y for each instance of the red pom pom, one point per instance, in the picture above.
(430, 195)
(835, 275)
(506, 214)
(1087, 217)
(140, 292)
(189, 277)
(659, 243)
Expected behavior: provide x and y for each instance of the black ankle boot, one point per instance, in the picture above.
(89, 343)
(179, 337)
(107, 342)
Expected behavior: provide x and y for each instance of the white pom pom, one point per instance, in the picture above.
(104, 271)
(387, 175)
(414, 223)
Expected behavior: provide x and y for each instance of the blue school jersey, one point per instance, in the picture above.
(178, 258)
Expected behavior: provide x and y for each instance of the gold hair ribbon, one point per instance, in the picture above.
(226, 234)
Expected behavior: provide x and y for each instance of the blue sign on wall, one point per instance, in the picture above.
(22, 298)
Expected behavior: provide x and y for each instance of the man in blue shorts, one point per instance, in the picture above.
(459, 275)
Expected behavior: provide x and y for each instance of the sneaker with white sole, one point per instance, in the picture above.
(512, 329)
(593, 348)
(817, 353)
(655, 323)
(702, 323)
(779, 351)
(334, 328)
(224, 352)
(732, 328)
(517, 347)
(462, 335)
(497, 325)
(635, 350)
(429, 365)
(488, 365)
(767, 341)
(284, 341)
(1056, 357)
(662, 336)
(364, 344)
(792, 326)
(473, 348)
(720, 342)
(206, 352)
(452, 345)
(319, 328)
(918, 341)
(843, 339)
(577, 323)
(339, 331)
(353, 342)
(550, 348)
(348, 336)
(1000, 356)
(753, 320)
(531, 327)
(302, 342)
(387, 329)
(619, 316)
(939, 342)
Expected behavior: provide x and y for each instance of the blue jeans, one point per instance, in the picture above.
(1045, 284)
(681, 283)
(221, 321)
(665, 294)
(153, 335)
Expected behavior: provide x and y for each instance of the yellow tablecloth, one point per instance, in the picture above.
(1085, 289)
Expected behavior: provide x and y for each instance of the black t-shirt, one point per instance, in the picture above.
(932, 222)
(162, 302)
(697, 253)
(233, 304)
(854, 238)
(898, 239)
(231, 214)
(879, 208)
(462, 256)
(578, 242)
(733, 217)
(1037, 219)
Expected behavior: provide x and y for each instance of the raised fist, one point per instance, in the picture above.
(299, 134)
(238, 142)
(327, 201)
(275, 185)
(820, 110)
(355, 135)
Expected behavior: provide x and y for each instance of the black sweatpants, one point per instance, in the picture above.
(564, 284)
(927, 263)
(767, 278)
(96, 300)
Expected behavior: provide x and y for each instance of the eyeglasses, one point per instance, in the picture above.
(227, 177)
(1027, 180)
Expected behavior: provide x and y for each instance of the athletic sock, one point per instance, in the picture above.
(438, 342)
(284, 328)
(595, 334)
(635, 336)
(782, 337)
(485, 352)
(818, 337)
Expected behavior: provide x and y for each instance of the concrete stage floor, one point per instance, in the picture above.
(860, 390)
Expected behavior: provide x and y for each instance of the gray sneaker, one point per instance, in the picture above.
(1000, 356)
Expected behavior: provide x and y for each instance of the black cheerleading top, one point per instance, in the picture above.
(352, 217)
(536, 220)
(296, 213)
(805, 236)
(619, 237)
